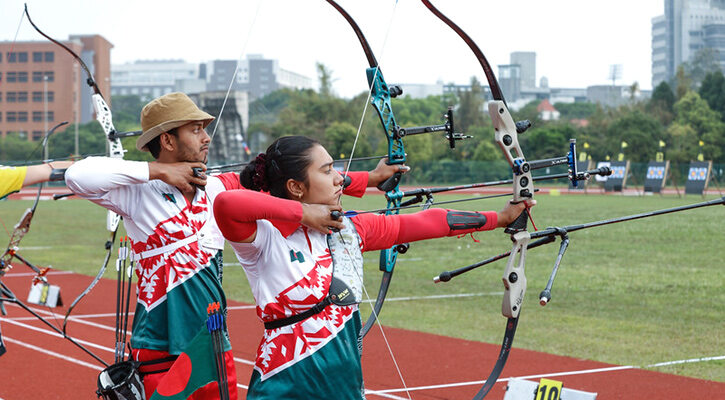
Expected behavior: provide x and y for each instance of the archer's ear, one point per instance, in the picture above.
(167, 141)
(295, 189)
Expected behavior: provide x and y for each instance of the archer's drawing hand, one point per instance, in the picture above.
(512, 211)
(180, 174)
(317, 217)
(384, 171)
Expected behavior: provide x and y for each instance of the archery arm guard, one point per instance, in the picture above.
(465, 220)
(435, 223)
(57, 174)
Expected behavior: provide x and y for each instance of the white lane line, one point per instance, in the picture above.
(369, 392)
(52, 353)
(243, 361)
(58, 335)
(247, 307)
(566, 373)
(53, 333)
(691, 360)
(75, 319)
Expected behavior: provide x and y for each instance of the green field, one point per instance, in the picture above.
(635, 293)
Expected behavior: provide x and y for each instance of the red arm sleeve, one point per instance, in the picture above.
(358, 183)
(230, 180)
(383, 231)
(237, 211)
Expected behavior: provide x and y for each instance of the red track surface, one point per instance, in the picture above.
(40, 366)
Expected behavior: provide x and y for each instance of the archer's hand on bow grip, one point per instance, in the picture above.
(392, 182)
(515, 216)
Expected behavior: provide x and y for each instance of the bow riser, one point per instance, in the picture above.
(381, 102)
(507, 138)
(105, 118)
(115, 149)
(514, 277)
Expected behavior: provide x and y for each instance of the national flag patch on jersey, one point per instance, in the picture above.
(296, 256)
(169, 197)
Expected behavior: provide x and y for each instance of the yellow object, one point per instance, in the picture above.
(702, 143)
(11, 179)
(549, 389)
(586, 145)
(700, 157)
(583, 156)
(554, 192)
(620, 157)
(662, 144)
(660, 156)
(624, 145)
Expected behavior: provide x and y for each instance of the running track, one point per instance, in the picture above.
(38, 365)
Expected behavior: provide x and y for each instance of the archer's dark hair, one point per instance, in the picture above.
(286, 158)
(154, 145)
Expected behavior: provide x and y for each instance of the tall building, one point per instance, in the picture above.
(687, 27)
(41, 84)
(509, 77)
(149, 79)
(256, 75)
(527, 63)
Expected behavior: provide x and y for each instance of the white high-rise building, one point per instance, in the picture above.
(149, 79)
(687, 27)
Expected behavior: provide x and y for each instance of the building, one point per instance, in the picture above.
(149, 79)
(526, 60)
(229, 144)
(687, 27)
(547, 112)
(41, 84)
(256, 75)
(509, 78)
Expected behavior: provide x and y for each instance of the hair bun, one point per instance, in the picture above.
(260, 172)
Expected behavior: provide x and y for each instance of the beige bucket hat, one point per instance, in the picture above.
(168, 112)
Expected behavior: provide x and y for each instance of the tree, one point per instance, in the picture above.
(16, 147)
(713, 91)
(547, 140)
(339, 139)
(684, 82)
(703, 62)
(692, 111)
(324, 74)
(633, 91)
(640, 131)
(578, 110)
(127, 109)
(661, 102)
(470, 106)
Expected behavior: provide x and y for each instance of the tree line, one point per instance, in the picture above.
(687, 115)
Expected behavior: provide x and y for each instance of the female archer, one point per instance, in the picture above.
(294, 264)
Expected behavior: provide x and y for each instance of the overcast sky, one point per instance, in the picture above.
(575, 40)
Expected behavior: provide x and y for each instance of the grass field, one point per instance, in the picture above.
(635, 293)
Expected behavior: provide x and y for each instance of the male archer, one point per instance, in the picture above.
(168, 215)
